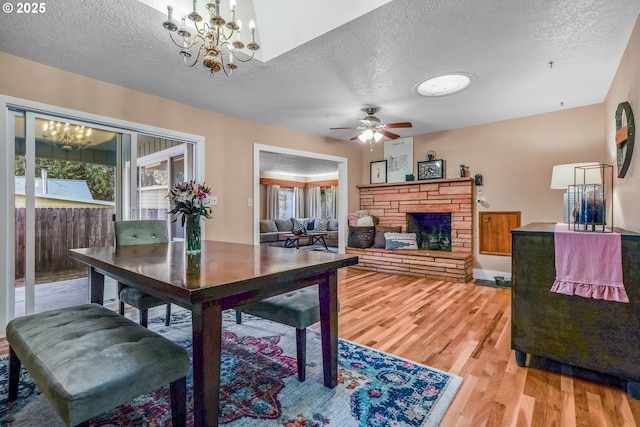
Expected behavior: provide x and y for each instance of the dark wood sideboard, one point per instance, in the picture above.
(598, 335)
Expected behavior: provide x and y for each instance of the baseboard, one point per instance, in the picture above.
(489, 274)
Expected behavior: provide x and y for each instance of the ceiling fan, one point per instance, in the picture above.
(373, 130)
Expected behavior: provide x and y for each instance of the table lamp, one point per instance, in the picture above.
(564, 176)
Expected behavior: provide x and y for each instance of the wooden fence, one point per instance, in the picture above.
(59, 229)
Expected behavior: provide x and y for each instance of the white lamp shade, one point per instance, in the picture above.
(366, 135)
(565, 175)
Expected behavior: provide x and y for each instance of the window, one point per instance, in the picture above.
(326, 202)
(285, 203)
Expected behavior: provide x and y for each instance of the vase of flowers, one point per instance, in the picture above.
(191, 201)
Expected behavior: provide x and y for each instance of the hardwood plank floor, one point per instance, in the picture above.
(465, 329)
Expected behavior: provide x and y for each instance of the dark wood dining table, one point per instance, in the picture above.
(224, 275)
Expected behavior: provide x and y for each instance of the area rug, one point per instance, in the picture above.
(260, 385)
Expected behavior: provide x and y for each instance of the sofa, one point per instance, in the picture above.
(272, 231)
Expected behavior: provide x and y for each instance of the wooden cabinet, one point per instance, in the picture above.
(602, 336)
(495, 231)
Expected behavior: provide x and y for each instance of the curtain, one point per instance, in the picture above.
(334, 200)
(273, 196)
(298, 202)
(313, 205)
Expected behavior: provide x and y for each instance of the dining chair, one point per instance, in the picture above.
(299, 308)
(141, 232)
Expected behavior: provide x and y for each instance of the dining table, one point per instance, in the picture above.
(222, 276)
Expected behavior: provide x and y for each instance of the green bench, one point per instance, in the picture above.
(87, 360)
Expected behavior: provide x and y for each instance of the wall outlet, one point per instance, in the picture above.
(214, 200)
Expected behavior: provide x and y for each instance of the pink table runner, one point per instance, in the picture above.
(589, 264)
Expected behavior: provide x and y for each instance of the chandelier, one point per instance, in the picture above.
(66, 136)
(217, 41)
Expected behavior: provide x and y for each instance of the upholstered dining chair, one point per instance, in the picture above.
(140, 232)
(299, 308)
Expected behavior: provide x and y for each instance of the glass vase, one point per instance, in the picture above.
(192, 238)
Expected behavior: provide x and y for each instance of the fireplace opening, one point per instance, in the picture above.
(433, 229)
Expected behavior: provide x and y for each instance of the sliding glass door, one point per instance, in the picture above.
(73, 179)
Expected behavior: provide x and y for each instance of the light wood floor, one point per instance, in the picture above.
(464, 329)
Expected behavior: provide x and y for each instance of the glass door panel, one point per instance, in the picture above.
(69, 191)
(72, 180)
(161, 164)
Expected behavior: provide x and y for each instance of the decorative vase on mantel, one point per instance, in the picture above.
(192, 237)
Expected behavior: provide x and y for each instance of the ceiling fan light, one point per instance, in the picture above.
(377, 136)
(366, 135)
(444, 85)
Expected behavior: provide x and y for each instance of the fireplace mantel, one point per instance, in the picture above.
(409, 183)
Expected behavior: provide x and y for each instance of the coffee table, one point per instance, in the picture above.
(293, 240)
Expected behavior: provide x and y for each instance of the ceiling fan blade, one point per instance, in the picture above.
(354, 138)
(389, 135)
(341, 128)
(398, 125)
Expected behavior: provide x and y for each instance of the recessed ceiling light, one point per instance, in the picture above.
(444, 85)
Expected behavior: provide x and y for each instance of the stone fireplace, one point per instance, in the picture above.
(433, 229)
(443, 207)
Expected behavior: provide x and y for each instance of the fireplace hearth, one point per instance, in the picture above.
(433, 229)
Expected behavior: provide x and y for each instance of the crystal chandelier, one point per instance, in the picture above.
(66, 136)
(217, 40)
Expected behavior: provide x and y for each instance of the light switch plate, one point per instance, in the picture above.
(214, 200)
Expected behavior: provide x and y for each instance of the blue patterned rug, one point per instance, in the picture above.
(260, 385)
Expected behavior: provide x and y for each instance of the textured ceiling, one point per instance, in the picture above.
(375, 59)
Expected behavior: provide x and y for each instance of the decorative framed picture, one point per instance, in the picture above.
(399, 156)
(431, 169)
(379, 172)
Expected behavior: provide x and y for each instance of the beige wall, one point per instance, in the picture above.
(515, 158)
(626, 87)
(229, 140)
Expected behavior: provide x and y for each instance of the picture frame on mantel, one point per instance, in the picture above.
(399, 156)
(431, 169)
(378, 172)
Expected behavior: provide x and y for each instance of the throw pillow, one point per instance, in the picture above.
(365, 221)
(284, 225)
(361, 237)
(311, 224)
(268, 226)
(299, 225)
(379, 240)
(400, 241)
(333, 225)
(353, 219)
(321, 224)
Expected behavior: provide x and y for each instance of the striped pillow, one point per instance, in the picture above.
(400, 240)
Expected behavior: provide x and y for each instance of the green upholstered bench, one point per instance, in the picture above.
(87, 360)
(299, 308)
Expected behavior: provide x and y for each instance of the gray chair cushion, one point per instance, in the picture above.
(139, 299)
(299, 308)
(141, 232)
(87, 359)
